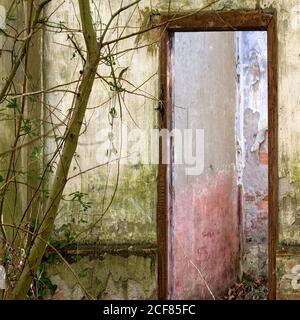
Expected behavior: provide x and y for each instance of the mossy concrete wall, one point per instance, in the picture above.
(128, 223)
(132, 217)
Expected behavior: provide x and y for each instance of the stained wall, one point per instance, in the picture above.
(206, 243)
(145, 63)
(132, 219)
(252, 148)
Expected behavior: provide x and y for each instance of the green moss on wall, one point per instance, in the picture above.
(151, 38)
(289, 203)
(131, 216)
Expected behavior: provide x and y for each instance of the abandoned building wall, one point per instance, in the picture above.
(206, 221)
(131, 221)
(252, 144)
(120, 247)
(132, 216)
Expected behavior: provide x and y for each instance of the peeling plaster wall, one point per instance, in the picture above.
(106, 277)
(288, 275)
(140, 209)
(252, 142)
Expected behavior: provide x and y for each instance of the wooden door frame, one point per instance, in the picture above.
(215, 21)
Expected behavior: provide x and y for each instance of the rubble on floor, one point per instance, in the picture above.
(248, 289)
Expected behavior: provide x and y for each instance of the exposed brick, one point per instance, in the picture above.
(263, 158)
(263, 204)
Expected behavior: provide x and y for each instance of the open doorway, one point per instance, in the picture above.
(217, 217)
(220, 187)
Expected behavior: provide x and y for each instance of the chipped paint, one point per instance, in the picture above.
(288, 275)
(106, 277)
(252, 156)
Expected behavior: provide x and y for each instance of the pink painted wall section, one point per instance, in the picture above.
(206, 245)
